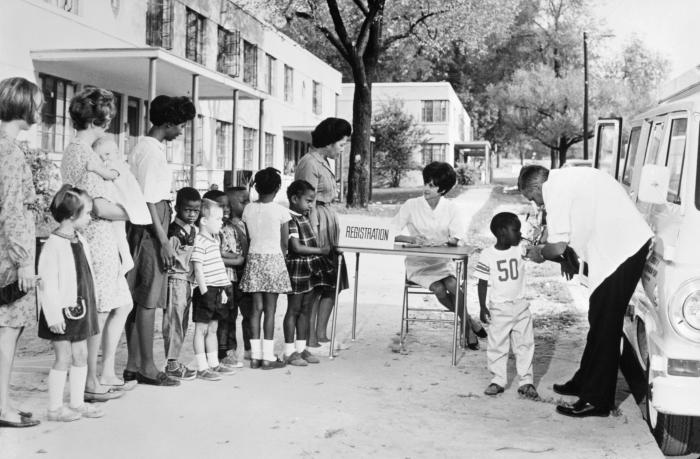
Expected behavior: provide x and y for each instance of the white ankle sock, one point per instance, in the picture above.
(300, 345)
(213, 359)
(76, 379)
(201, 362)
(289, 349)
(256, 349)
(57, 382)
(268, 350)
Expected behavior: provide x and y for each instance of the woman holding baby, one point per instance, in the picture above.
(91, 111)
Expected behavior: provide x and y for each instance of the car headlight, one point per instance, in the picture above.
(684, 310)
(691, 310)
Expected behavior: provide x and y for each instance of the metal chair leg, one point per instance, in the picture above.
(404, 315)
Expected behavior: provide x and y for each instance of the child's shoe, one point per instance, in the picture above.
(63, 414)
(208, 375)
(473, 346)
(231, 361)
(272, 364)
(247, 355)
(528, 391)
(180, 372)
(309, 357)
(89, 411)
(295, 359)
(493, 389)
(224, 369)
(255, 363)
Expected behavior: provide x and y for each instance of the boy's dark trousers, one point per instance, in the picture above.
(226, 332)
(597, 374)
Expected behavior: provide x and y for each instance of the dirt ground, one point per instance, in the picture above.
(373, 399)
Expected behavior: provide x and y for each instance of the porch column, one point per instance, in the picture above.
(261, 136)
(151, 83)
(234, 137)
(123, 125)
(193, 139)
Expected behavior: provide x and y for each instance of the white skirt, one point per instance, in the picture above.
(425, 271)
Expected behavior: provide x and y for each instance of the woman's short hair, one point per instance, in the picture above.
(267, 180)
(330, 131)
(69, 202)
(17, 100)
(440, 174)
(92, 105)
(173, 110)
(299, 188)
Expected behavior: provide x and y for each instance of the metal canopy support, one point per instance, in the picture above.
(195, 126)
(152, 68)
(234, 137)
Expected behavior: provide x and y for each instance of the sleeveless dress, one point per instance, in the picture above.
(80, 329)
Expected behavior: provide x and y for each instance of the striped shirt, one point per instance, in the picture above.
(504, 270)
(206, 251)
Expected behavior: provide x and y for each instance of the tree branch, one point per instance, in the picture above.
(324, 30)
(339, 26)
(364, 35)
(411, 28)
(360, 4)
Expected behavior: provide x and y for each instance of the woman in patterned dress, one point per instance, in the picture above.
(20, 102)
(329, 140)
(91, 111)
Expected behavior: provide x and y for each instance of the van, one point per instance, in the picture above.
(659, 168)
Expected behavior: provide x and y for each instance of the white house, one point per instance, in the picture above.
(434, 106)
(259, 94)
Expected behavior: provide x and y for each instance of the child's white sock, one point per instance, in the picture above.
(300, 345)
(256, 349)
(76, 379)
(289, 349)
(268, 350)
(213, 359)
(201, 362)
(57, 382)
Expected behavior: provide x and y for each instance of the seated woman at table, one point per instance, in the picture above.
(432, 219)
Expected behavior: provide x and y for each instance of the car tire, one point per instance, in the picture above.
(672, 433)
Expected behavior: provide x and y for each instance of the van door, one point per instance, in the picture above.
(608, 137)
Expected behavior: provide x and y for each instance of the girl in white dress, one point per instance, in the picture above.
(433, 220)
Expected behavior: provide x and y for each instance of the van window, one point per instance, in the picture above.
(674, 160)
(654, 143)
(631, 155)
(607, 137)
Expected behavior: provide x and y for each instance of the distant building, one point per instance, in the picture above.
(259, 94)
(434, 106)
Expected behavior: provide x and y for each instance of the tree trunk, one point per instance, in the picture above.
(552, 158)
(358, 172)
(563, 149)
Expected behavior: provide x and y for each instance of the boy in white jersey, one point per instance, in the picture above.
(503, 269)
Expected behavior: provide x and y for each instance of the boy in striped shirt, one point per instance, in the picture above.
(209, 298)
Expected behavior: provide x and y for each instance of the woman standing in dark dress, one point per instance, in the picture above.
(329, 139)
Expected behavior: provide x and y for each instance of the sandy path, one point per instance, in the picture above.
(369, 401)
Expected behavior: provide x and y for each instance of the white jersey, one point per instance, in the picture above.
(505, 272)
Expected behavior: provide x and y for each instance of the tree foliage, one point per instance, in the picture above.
(396, 138)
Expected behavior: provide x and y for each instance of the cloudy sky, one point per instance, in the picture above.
(671, 27)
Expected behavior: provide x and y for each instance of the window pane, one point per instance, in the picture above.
(654, 144)
(674, 161)
(269, 149)
(288, 83)
(631, 155)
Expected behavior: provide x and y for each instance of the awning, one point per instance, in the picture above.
(299, 132)
(478, 148)
(127, 70)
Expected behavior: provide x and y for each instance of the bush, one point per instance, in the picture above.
(467, 175)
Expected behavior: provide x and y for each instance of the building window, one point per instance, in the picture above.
(56, 126)
(316, 98)
(228, 59)
(115, 125)
(250, 64)
(433, 152)
(199, 141)
(249, 140)
(223, 143)
(269, 149)
(71, 6)
(270, 74)
(159, 23)
(194, 48)
(433, 111)
(288, 84)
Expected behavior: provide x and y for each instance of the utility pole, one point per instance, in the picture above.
(585, 95)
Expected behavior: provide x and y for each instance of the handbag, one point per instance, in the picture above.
(76, 312)
(10, 293)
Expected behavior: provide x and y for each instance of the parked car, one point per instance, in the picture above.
(659, 168)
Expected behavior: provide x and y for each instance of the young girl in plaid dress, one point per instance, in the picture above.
(308, 272)
(265, 274)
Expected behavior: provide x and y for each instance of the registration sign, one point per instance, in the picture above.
(366, 232)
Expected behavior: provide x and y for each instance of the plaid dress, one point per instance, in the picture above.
(307, 272)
